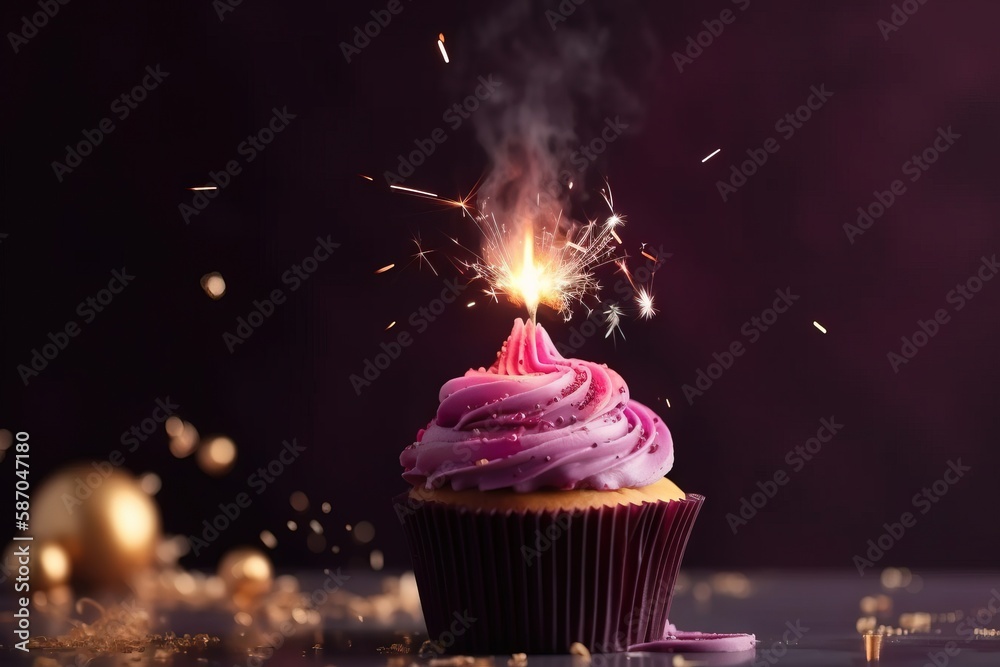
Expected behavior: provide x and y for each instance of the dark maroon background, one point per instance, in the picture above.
(163, 337)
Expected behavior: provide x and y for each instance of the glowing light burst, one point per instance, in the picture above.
(541, 258)
(645, 301)
(549, 264)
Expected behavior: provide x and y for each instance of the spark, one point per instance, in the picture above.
(819, 326)
(368, 178)
(444, 53)
(668, 402)
(645, 301)
(535, 254)
(623, 267)
(384, 268)
(199, 188)
(391, 325)
(710, 156)
(649, 257)
(612, 318)
(421, 255)
(470, 304)
(541, 259)
(412, 190)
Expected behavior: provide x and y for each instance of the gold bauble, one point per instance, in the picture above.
(247, 573)
(103, 520)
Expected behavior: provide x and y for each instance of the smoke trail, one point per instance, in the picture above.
(558, 85)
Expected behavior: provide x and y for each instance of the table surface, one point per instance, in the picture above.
(825, 605)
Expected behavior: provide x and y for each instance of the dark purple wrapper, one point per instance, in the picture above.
(535, 582)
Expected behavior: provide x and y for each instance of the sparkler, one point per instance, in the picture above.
(541, 258)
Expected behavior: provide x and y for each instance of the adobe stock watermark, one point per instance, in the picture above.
(923, 501)
(294, 277)
(248, 149)
(122, 107)
(914, 168)
(30, 25)
(752, 329)
(696, 44)
(796, 458)
(562, 13)
(927, 329)
(420, 319)
(258, 481)
(223, 7)
(543, 541)
(88, 309)
(581, 159)
(85, 485)
(787, 125)
(458, 627)
(362, 37)
(455, 116)
(901, 13)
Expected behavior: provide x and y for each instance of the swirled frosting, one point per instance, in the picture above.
(536, 420)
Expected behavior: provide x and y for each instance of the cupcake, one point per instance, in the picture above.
(539, 514)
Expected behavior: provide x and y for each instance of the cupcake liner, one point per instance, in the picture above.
(535, 582)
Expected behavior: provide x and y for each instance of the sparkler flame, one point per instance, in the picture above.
(544, 258)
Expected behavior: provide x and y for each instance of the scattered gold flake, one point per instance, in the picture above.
(915, 622)
(214, 285)
(217, 455)
(518, 660)
(299, 501)
(482, 462)
(454, 661)
(150, 483)
(579, 650)
(268, 538)
(364, 532)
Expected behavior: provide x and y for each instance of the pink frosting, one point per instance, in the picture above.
(536, 420)
(678, 641)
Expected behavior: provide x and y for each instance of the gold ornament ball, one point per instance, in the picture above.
(247, 573)
(103, 520)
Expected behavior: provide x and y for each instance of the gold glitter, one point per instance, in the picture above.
(518, 660)
(578, 650)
